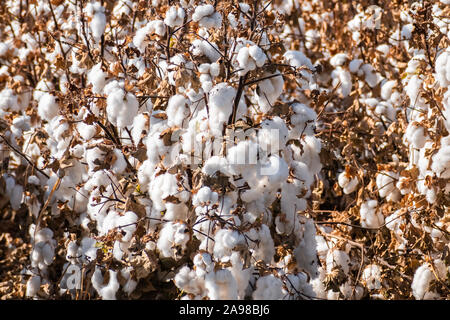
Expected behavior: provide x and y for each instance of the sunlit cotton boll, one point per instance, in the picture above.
(207, 17)
(121, 107)
(371, 217)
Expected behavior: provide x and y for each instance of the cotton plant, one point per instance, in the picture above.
(231, 152)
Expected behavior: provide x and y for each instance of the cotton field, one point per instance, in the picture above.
(210, 150)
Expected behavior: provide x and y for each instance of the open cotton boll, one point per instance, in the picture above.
(209, 49)
(215, 164)
(173, 235)
(207, 17)
(268, 288)
(347, 183)
(177, 110)
(370, 74)
(441, 160)
(372, 276)
(221, 285)
(386, 181)
(153, 27)
(221, 99)
(303, 118)
(8, 100)
(415, 135)
(225, 241)
(355, 66)
(33, 286)
(273, 135)
(269, 90)
(421, 283)
(14, 192)
(242, 156)
(48, 107)
(306, 253)
(343, 77)
(241, 275)
(371, 217)
(187, 280)
(174, 16)
(97, 78)
(338, 258)
(105, 291)
(276, 170)
(121, 107)
(298, 59)
(338, 59)
(98, 19)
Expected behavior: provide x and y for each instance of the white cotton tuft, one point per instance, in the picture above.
(177, 111)
(174, 17)
(371, 217)
(47, 107)
(347, 183)
(121, 107)
(207, 17)
(97, 78)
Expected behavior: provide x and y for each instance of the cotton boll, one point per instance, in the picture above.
(421, 283)
(264, 249)
(241, 275)
(269, 90)
(372, 275)
(225, 242)
(187, 280)
(343, 77)
(206, 16)
(338, 258)
(415, 135)
(276, 170)
(370, 75)
(130, 284)
(355, 66)
(298, 59)
(119, 165)
(338, 59)
(306, 253)
(221, 285)
(48, 107)
(105, 291)
(215, 164)
(121, 107)
(206, 48)
(173, 235)
(243, 156)
(177, 110)
(386, 185)
(33, 286)
(303, 118)
(273, 135)
(221, 99)
(347, 183)
(174, 16)
(97, 78)
(98, 22)
(14, 192)
(370, 216)
(268, 288)
(441, 160)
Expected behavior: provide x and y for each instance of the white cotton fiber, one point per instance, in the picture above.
(371, 217)
(121, 107)
(47, 107)
(177, 110)
(97, 78)
(206, 16)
